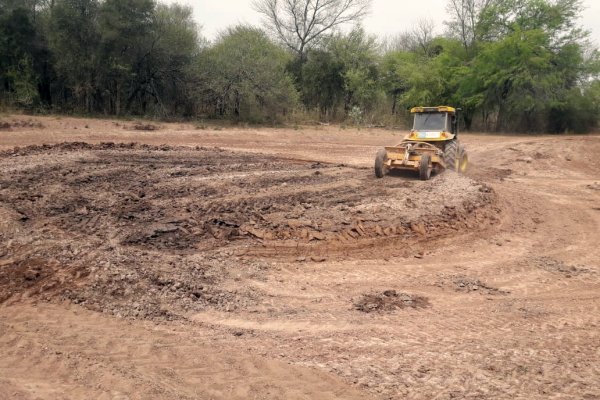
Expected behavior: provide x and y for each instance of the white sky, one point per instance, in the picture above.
(387, 18)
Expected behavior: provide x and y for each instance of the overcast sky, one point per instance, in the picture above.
(387, 18)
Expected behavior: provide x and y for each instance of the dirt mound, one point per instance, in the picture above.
(560, 267)
(146, 127)
(8, 125)
(207, 198)
(389, 301)
(470, 285)
(78, 146)
(20, 275)
(158, 231)
(594, 186)
(136, 288)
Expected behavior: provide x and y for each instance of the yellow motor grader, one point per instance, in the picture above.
(432, 145)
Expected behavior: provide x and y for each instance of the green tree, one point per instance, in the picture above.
(556, 18)
(74, 39)
(419, 77)
(245, 76)
(466, 20)
(18, 51)
(169, 68)
(344, 73)
(323, 82)
(529, 65)
(126, 43)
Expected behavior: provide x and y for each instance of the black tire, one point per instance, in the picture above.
(451, 155)
(425, 168)
(380, 167)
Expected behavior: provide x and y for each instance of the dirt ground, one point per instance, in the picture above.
(173, 261)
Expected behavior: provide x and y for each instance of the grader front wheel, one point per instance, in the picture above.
(380, 167)
(425, 167)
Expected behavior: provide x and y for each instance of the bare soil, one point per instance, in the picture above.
(177, 262)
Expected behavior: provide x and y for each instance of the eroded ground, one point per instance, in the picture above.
(240, 263)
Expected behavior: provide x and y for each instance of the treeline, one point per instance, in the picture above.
(512, 65)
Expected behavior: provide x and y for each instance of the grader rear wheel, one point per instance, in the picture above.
(451, 155)
(380, 167)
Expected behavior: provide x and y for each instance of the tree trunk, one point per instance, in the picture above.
(236, 107)
(118, 99)
(468, 118)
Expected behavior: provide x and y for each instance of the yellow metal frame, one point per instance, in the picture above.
(397, 156)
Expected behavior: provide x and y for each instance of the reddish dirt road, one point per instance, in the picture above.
(161, 271)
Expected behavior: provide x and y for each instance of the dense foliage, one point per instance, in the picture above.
(512, 65)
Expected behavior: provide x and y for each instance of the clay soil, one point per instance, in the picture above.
(205, 262)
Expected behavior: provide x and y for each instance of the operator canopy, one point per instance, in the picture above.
(433, 119)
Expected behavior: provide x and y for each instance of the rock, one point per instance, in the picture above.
(360, 228)
(527, 160)
(166, 228)
(260, 233)
(352, 233)
(295, 224)
(418, 228)
(317, 236)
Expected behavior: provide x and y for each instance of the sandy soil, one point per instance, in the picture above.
(277, 266)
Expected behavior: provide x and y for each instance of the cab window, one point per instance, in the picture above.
(430, 122)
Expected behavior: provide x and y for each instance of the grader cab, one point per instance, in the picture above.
(431, 146)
